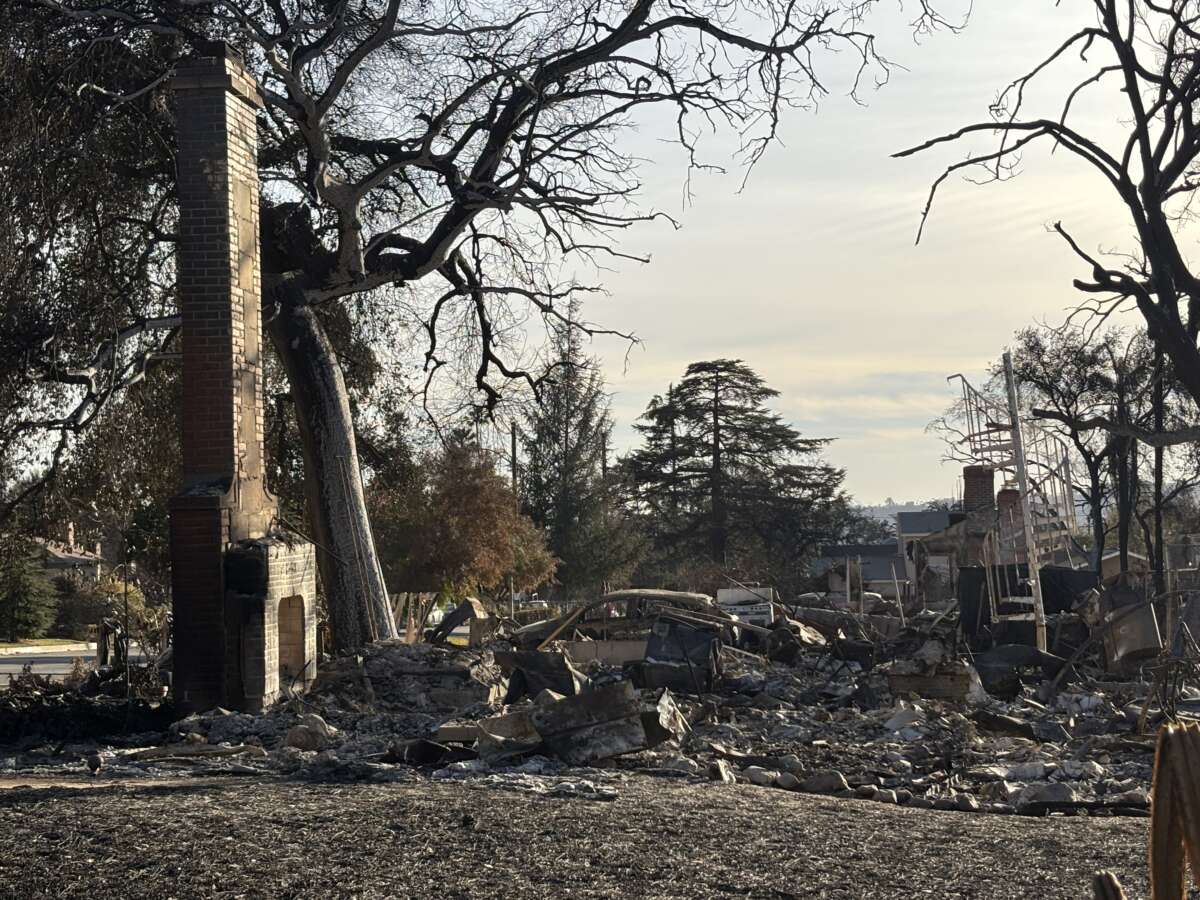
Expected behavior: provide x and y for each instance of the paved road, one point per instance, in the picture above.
(52, 662)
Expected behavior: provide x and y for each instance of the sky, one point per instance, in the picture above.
(810, 274)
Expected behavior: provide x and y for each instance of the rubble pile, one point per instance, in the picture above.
(847, 705)
(37, 707)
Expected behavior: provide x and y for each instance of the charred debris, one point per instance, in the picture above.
(925, 709)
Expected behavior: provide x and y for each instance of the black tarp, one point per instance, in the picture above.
(973, 598)
(1061, 588)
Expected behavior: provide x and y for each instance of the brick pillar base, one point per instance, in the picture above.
(202, 668)
(272, 584)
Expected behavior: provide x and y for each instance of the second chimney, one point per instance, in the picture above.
(979, 489)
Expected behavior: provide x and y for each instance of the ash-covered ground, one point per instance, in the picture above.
(659, 837)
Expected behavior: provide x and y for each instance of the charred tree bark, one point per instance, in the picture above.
(1160, 580)
(359, 609)
(720, 516)
(1096, 512)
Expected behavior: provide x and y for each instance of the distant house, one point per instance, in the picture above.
(68, 559)
(911, 527)
(880, 565)
(1110, 564)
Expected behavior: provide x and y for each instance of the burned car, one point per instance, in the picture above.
(622, 615)
(665, 638)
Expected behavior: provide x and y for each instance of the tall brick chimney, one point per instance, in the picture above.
(226, 570)
(220, 284)
(979, 489)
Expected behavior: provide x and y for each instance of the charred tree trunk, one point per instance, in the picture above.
(359, 610)
(1096, 510)
(720, 518)
(1124, 495)
(1160, 580)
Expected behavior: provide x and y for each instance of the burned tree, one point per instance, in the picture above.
(429, 159)
(1146, 56)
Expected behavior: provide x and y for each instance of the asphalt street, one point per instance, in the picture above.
(54, 662)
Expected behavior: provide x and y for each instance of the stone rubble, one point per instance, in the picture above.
(819, 725)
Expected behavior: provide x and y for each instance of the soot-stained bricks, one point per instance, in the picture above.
(237, 581)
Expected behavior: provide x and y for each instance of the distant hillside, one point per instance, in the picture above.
(888, 509)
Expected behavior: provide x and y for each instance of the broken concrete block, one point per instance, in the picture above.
(966, 803)
(603, 722)
(825, 783)
(680, 763)
(457, 732)
(760, 776)
(1136, 797)
(788, 763)
(1053, 792)
(315, 722)
(305, 737)
(904, 718)
(1030, 771)
(787, 781)
(1077, 770)
(504, 737)
(998, 791)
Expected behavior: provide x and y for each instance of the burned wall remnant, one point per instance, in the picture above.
(233, 574)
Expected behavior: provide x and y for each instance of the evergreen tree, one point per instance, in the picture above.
(567, 489)
(722, 478)
(27, 598)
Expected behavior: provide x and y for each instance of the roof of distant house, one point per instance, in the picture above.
(60, 556)
(841, 551)
(1111, 554)
(877, 560)
(926, 521)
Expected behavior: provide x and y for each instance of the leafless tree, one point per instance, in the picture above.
(1144, 59)
(451, 156)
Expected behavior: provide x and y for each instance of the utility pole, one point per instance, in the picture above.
(513, 458)
(1031, 549)
(512, 592)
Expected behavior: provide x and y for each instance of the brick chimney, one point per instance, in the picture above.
(219, 283)
(227, 572)
(979, 489)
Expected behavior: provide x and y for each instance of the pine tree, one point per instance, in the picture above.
(27, 598)
(567, 489)
(723, 478)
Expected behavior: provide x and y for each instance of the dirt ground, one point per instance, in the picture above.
(234, 837)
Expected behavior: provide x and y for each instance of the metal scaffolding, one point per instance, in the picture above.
(1039, 463)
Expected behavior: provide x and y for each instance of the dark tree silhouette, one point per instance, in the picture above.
(718, 471)
(1144, 59)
